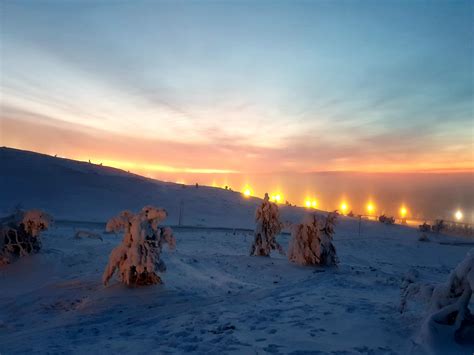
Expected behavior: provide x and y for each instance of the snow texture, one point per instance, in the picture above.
(268, 226)
(137, 258)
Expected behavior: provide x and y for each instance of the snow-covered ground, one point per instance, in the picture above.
(215, 299)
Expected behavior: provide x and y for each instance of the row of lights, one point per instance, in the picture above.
(344, 206)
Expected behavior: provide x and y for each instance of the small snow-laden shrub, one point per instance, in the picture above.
(386, 220)
(311, 241)
(20, 234)
(449, 317)
(411, 288)
(137, 258)
(438, 226)
(423, 238)
(268, 226)
(79, 234)
(425, 227)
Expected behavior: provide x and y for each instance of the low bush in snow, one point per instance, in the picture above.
(425, 227)
(449, 315)
(20, 234)
(311, 241)
(137, 258)
(423, 238)
(386, 220)
(268, 226)
(411, 288)
(438, 226)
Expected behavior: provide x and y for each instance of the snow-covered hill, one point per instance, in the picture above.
(216, 298)
(75, 190)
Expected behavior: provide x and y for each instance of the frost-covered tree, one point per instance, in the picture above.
(137, 258)
(20, 234)
(449, 314)
(328, 251)
(311, 241)
(268, 226)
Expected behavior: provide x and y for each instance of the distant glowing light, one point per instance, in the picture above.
(344, 207)
(310, 203)
(276, 198)
(247, 192)
(403, 212)
(370, 207)
(458, 215)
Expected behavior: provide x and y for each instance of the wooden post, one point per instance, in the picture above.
(360, 221)
(180, 220)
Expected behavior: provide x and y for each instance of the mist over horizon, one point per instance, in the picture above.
(425, 195)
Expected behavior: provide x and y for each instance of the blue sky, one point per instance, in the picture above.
(242, 86)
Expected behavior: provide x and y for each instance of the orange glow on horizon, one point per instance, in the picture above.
(132, 166)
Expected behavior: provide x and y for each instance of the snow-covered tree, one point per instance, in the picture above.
(268, 226)
(20, 234)
(449, 315)
(137, 258)
(328, 252)
(311, 241)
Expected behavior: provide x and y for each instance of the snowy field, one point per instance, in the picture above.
(216, 299)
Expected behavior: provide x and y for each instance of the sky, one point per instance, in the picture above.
(214, 90)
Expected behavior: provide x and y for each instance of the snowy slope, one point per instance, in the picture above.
(75, 190)
(216, 299)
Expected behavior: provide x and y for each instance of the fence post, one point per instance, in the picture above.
(180, 219)
(360, 221)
